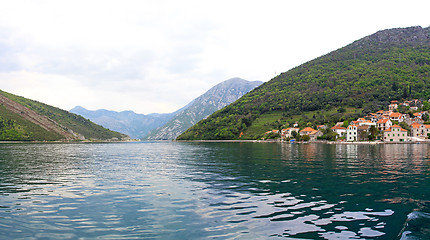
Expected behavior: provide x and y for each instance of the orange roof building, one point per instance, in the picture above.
(395, 134)
(306, 131)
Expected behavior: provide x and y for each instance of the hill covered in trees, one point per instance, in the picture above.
(364, 76)
(22, 119)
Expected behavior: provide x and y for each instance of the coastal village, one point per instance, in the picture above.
(383, 126)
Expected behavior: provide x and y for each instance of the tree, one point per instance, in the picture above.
(426, 106)
(306, 138)
(294, 134)
(425, 117)
(373, 132)
(341, 110)
(363, 135)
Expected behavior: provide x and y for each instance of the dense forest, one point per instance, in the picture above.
(388, 65)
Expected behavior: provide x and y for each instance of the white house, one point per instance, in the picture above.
(351, 133)
(287, 133)
(340, 131)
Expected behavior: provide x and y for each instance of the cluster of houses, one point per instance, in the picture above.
(385, 122)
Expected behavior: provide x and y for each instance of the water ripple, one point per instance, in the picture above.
(196, 190)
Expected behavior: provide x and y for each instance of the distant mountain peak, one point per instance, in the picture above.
(139, 125)
(214, 99)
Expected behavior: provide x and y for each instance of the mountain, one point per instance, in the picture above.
(392, 64)
(23, 119)
(213, 100)
(133, 124)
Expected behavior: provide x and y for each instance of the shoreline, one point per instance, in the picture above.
(66, 142)
(223, 141)
(301, 142)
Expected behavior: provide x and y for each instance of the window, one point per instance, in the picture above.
(391, 140)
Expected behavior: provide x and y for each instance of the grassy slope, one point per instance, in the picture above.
(69, 120)
(14, 127)
(366, 75)
(278, 120)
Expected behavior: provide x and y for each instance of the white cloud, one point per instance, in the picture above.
(156, 56)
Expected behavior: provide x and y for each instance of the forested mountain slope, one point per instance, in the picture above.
(390, 64)
(22, 119)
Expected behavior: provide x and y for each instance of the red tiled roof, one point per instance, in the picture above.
(396, 126)
(307, 129)
(415, 125)
(395, 115)
(384, 120)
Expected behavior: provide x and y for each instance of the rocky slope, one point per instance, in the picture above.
(214, 99)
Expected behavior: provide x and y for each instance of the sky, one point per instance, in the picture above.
(157, 56)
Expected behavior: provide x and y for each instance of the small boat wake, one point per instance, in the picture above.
(417, 226)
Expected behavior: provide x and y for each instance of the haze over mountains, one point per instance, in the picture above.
(128, 122)
(170, 125)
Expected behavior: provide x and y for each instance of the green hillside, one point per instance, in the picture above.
(361, 77)
(40, 122)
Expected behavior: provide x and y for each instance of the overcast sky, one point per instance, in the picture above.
(156, 56)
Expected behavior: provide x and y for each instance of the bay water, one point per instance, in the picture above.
(179, 190)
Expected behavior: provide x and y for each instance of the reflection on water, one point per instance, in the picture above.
(214, 190)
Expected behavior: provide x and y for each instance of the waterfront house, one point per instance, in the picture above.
(340, 131)
(395, 134)
(419, 130)
(351, 133)
(306, 131)
(314, 135)
(287, 133)
(357, 132)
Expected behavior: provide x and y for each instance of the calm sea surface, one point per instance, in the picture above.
(169, 190)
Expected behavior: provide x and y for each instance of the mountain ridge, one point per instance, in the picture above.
(388, 65)
(128, 122)
(151, 126)
(214, 99)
